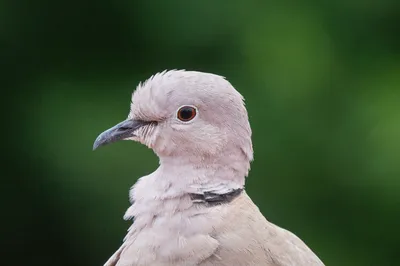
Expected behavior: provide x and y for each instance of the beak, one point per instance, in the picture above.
(118, 132)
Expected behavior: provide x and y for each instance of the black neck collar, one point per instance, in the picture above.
(212, 198)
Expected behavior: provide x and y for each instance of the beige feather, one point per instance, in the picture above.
(209, 154)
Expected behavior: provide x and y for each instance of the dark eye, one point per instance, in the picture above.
(186, 113)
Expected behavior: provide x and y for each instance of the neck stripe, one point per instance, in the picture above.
(212, 199)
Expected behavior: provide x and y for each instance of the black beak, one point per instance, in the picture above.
(118, 132)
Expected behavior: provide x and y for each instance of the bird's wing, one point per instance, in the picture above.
(114, 259)
(138, 251)
(194, 250)
(246, 238)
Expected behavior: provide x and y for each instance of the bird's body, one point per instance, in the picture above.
(193, 209)
(222, 235)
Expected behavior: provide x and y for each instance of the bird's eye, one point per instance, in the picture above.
(186, 113)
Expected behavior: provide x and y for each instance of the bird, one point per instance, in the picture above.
(194, 209)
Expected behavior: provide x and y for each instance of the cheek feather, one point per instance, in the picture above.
(147, 135)
(197, 138)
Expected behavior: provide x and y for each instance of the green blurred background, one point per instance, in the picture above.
(321, 81)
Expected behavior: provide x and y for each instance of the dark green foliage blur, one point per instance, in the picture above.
(322, 86)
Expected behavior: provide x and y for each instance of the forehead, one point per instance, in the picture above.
(166, 91)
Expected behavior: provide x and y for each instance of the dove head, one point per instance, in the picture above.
(188, 116)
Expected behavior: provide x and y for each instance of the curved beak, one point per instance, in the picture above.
(118, 132)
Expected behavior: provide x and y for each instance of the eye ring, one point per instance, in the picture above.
(186, 113)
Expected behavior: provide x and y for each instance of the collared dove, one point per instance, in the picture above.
(193, 210)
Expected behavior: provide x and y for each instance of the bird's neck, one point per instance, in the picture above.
(204, 174)
(178, 176)
(183, 181)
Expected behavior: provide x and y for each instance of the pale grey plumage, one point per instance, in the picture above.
(211, 153)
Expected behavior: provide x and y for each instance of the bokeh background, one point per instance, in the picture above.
(321, 81)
